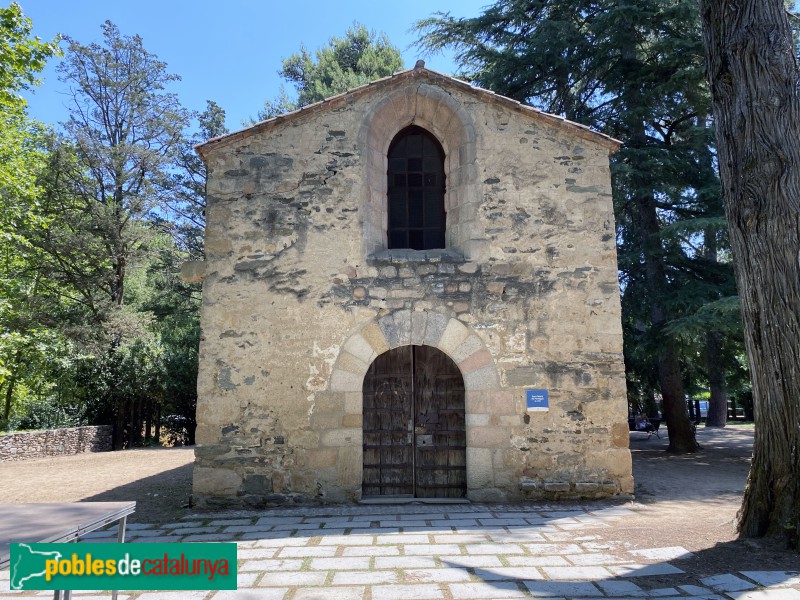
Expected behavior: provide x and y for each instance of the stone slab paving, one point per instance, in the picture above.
(441, 552)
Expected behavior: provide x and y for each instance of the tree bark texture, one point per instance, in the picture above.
(681, 435)
(755, 83)
(11, 384)
(718, 403)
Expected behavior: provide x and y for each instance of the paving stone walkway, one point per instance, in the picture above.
(441, 552)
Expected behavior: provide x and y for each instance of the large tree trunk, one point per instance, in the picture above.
(755, 82)
(11, 385)
(718, 403)
(681, 434)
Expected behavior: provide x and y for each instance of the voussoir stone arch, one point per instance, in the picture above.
(434, 109)
(415, 328)
(481, 383)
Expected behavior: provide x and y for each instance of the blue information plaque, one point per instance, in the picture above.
(536, 400)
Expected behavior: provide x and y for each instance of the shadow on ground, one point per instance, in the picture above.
(717, 472)
(752, 563)
(160, 498)
(689, 503)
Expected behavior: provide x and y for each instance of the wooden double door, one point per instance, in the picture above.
(414, 427)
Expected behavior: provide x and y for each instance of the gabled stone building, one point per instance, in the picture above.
(410, 291)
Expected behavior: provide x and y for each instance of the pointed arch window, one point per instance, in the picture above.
(416, 187)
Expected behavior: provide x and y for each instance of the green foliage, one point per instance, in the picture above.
(345, 63)
(21, 56)
(187, 206)
(124, 130)
(718, 315)
(95, 324)
(152, 374)
(43, 413)
(25, 342)
(634, 71)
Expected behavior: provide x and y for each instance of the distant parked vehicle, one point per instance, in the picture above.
(696, 409)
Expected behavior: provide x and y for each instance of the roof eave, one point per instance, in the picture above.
(582, 131)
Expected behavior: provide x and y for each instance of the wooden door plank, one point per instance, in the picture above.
(388, 459)
(440, 428)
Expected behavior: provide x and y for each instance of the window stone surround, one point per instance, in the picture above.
(436, 111)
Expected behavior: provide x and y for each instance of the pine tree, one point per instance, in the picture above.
(124, 129)
(635, 72)
(356, 59)
(186, 218)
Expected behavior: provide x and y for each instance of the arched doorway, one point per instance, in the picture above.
(414, 426)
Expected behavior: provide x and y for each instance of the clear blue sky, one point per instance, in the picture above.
(228, 51)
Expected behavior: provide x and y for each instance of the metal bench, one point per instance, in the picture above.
(646, 425)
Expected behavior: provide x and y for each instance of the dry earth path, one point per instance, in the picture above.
(159, 479)
(675, 540)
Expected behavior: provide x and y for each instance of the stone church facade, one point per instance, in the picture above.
(410, 291)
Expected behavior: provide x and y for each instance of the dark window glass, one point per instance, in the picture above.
(398, 214)
(414, 145)
(434, 215)
(432, 165)
(415, 164)
(416, 183)
(416, 207)
(434, 238)
(398, 239)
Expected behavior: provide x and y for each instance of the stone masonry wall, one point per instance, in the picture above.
(296, 305)
(55, 442)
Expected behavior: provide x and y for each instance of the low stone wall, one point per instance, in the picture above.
(55, 442)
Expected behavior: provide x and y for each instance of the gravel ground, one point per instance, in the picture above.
(159, 479)
(689, 501)
(692, 500)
